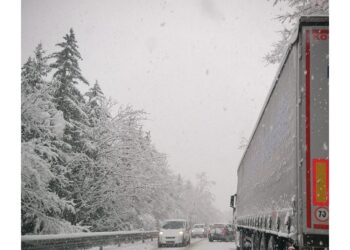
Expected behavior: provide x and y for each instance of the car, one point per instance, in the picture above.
(174, 232)
(219, 231)
(231, 232)
(199, 230)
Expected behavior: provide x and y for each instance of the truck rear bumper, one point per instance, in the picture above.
(315, 242)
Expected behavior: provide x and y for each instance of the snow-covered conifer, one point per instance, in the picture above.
(68, 74)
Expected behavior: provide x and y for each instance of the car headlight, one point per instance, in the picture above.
(181, 233)
(160, 233)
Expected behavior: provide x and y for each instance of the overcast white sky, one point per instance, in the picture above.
(195, 66)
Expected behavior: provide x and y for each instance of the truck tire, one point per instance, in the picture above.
(256, 241)
(242, 242)
(263, 242)
(271, 245)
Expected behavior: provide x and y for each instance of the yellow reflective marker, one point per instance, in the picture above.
(320, 182)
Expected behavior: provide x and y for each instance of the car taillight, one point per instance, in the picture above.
(291, 248)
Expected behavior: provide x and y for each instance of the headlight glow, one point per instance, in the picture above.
(160, 233)
(181, 233)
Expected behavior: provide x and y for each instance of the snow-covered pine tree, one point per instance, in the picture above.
(96, 100)
(35, 91)
(67, 96)
(67, 72)
(35, 70)
(42, 125)
(71, 102)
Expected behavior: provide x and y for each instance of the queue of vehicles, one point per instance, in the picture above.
(178, 232)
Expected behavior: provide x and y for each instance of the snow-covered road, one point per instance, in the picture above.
(196, 244)
(204, 244)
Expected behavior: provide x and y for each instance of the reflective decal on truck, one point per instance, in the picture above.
(320, 182)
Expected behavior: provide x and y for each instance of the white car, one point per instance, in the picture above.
(174, 233)
(198, 230)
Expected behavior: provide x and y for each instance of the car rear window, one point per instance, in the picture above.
(174, 225)
(198, 226)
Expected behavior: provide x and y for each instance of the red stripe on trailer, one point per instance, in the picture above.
(321, 226)
(307, 126)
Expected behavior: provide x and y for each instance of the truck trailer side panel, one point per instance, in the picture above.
(270, 158)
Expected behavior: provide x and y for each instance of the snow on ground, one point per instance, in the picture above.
(148, 245)
(204, 244)
(196, 244)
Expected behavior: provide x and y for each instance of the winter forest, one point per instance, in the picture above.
(87, 163)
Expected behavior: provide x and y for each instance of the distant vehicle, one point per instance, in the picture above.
(199, 230)
(282, 199)
(231, 232)
(174, 232)
(220, 231)
(207, 229)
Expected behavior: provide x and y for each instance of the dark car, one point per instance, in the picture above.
(220, 231)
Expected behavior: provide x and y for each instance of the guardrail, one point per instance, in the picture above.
(84, 240)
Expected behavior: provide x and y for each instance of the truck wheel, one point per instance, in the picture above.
(256, 242)
(242, 240)
(245, 244)
(262, 242)
(272, 243)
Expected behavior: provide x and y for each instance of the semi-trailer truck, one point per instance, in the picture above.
(282, 199)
